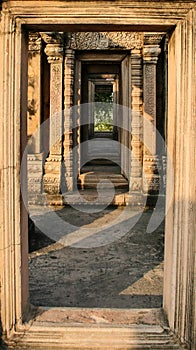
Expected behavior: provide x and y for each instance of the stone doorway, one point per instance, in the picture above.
(177, 18)
(100, 138)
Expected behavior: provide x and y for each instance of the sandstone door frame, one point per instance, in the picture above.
(176, 17)
(106, 57)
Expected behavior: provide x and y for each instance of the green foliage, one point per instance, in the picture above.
(103, 113)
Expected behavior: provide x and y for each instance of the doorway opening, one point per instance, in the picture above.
(179, 256)
(102, 241)
(100, 137)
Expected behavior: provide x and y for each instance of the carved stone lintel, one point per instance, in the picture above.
(105, 40)
(153, 38)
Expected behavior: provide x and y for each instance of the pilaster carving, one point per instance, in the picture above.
(136, 121)
(151, 178)
(35, 173)
(105, 40)
(34, 91)
(68, 103)
(34, 159)
(53, 166)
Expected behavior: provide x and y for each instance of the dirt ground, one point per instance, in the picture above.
(90, 260)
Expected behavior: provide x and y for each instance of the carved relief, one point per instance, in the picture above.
(150, 92)
(155, 38)
(35, 171)
(34, 88)
(34, 185)
(150, 58)
(105, 40)
(56, 88)
(34, 42)
(151, 177)
(150, 53)
(136, 120)
(52, 184)
(53, 166)
(54, 48)
(135, 184)
(68, 135)
(52, 37)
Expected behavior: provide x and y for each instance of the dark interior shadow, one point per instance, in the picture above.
(3, 345)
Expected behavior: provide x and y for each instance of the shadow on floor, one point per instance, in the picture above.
(124, 273)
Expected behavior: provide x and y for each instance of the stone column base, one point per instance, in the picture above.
(52, 177)
(35, 172)
(135, 184)
(151, 177)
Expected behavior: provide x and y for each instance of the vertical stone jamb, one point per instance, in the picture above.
(53, 166)
(135, 185)
(13, 215)
(151, 178)
(35, 161)
(69, 177)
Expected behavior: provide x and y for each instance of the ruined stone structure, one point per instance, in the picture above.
(47, 48)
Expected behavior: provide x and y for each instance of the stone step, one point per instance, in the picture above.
(91, 180)
(93, 185)
(101, 176)
(102, 162)
(105, 158)
(115, 169)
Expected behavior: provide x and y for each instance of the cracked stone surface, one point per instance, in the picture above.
(124, 271)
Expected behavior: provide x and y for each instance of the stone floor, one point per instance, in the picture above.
(101, 259)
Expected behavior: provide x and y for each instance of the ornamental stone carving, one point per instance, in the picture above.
(54, 48)
(105, 40)
(150, 53)
(151, 174)
(34, 42)
(153, 38)
(53, 165)
(52, 37)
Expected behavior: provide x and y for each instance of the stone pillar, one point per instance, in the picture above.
(53, 165)
(135, 184)
(151, 178)
(35, 156)
(68, 182)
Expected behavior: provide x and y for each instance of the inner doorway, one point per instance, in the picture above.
(100, 90)
(100, 134)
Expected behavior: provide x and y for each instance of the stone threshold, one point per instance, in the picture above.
(94, 329)
(89, 197)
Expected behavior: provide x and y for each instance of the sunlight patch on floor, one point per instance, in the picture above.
(151, 283)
